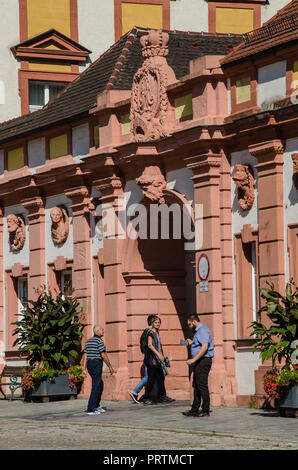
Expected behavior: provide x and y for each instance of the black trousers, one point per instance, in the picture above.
(201, 371)
(155, 373)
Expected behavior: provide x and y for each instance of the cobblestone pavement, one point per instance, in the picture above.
(63, 425)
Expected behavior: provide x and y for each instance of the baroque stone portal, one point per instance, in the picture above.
(244, 182)
(60, 224)
(17, 231)
(149, 103)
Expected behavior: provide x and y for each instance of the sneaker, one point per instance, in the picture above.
(148, 402)
(93, 413)
(100, 410)
(134, 396)
(190, 413)
(166, 399)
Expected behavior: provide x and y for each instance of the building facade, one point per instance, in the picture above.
(170, 165)
(45, 45)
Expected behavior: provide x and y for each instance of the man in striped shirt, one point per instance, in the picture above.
(95, 355)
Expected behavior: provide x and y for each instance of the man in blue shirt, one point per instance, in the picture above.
(202, 352)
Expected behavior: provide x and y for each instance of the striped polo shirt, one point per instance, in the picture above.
(94, 347)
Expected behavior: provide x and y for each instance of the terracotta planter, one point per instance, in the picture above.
(47, 389)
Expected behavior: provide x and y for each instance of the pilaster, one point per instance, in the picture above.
(37, 264)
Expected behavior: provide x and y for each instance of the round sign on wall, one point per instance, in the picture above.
(203, 267)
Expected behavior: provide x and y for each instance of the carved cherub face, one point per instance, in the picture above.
(12, 223)
(56, 215)
(240, 177)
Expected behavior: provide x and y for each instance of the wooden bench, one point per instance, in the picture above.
(15, 374)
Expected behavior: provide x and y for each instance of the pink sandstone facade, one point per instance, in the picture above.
(232, 178)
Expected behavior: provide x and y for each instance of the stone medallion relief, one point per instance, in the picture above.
(60, 224)
(244, 182)
(17, 231)
(149, 103)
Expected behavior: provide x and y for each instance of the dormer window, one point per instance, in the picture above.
(40, 93)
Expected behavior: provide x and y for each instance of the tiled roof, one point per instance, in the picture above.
(280, 29)
(115, 69)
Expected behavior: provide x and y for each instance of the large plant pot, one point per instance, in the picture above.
(288, 404)
(59, 388)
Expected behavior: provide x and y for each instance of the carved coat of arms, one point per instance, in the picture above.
(149, 104)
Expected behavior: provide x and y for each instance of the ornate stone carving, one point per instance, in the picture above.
(295, 169)
(244, 182)
(149, 103)
(17, 231)
(60, 224)
(152, 183)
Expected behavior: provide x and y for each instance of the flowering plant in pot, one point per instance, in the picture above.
(278, 341)
(50, 332)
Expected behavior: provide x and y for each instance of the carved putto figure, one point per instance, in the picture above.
(149, 103)
(152, 183)
(17, 231)
(244, 182)
(60, 224)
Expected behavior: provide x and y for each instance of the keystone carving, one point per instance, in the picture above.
(295, 169)
(244, 182)
(152, 183)
(149, 103)
(17, 231)
(60, 224)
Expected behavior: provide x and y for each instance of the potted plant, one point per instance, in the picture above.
(50, 333)
(278, 343)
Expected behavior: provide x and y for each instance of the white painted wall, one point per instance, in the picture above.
(269, 10)
(96, 26)
(189, 15)
(272, 82)
(80, 141)
(22, 256)
(65, 249)
(290, 195)
(10, 106)
(180, 181)
(36, 153)
(246, 363)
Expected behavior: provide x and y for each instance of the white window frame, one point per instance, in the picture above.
(46, 91)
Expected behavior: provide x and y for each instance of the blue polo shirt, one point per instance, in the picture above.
(202, 335)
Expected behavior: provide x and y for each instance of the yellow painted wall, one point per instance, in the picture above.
(58, 146)
(183, 106)
(295, 77)
(234, 20)
(125, 124)
(96, 136)
(243, 90)
(49, 66)
(15, 159)
(137, 14)
(46, 14)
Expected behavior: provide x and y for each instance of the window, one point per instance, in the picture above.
(40, 93)
(22, 294)
(66, 283)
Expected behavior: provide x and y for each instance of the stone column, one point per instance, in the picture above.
(37, 264)
(271, 230)
(270, 212)
(81, 271)
(206, 180)
(112, 197)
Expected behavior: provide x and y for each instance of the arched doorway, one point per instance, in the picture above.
(160, 279)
